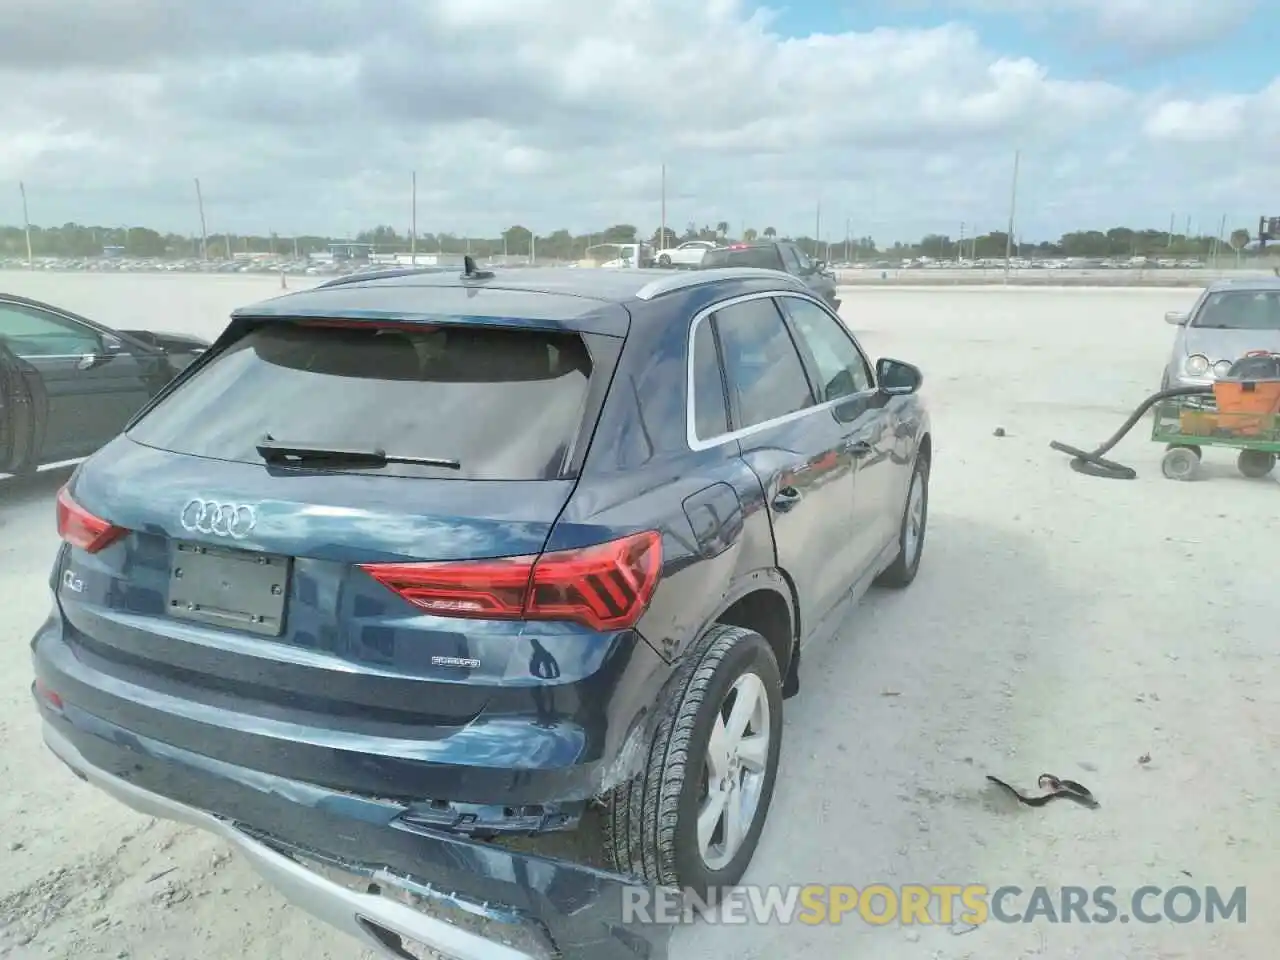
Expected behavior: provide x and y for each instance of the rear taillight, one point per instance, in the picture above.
(606, 587)
(80, 528)
(47, 695)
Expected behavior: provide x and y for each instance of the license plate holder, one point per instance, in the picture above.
(227, 587)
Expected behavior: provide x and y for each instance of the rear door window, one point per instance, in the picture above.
(506, 404)
(764, 257)
(765, 374)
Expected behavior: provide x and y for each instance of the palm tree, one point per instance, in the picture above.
(722, 228)
(1240, 239)
(749, 235)
(770, 232)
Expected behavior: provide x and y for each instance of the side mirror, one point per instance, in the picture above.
(1175, 318)
(897, 378)
(108, 349)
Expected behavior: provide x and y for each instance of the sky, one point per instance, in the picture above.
(891, 119)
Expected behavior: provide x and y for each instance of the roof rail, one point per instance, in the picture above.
(683, 279)
(379, 275)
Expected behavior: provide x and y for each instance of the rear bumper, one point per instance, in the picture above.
(347, 860)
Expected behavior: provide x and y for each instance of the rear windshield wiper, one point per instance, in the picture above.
(278, 451)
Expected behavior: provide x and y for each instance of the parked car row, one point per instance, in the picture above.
(394, 657)
(260, 265)
(1021, 263)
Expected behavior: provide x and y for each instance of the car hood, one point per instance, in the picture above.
(1229, 344)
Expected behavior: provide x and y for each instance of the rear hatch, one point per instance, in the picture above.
(241, 551)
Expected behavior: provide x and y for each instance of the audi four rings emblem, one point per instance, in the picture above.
(234, 520)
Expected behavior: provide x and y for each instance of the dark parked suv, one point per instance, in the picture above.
(410, 581)
(780, 255)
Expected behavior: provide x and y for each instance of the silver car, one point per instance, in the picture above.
(1230, 319)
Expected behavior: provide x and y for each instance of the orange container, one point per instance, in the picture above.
(1249, 406)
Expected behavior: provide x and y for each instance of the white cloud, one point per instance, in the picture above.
(1142, 26)
(560, 113)
(1250, 122)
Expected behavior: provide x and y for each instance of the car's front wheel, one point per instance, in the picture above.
(915, 519)
(664, 261)
(693, 816)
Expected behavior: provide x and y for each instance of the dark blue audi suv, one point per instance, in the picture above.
(464, 605)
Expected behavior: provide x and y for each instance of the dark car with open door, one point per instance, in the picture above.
(69, 385)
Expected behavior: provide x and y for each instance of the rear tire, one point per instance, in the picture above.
(1255, 464)
(652, 822)
(915, 522)
(664, 261)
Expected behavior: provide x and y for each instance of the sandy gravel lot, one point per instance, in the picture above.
(1059, 623)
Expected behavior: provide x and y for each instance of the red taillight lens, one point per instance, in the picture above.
(80, 528)
(606, 587)
(48, 695)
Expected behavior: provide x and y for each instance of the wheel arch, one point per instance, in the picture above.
(765, 601)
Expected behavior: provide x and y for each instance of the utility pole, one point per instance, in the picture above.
(413, 220)
(1169, 241)
(1217, 248)
(26, 224)
(1013, 208)
(847, 236)
(817, 232)
(960, 248)
(662, 244)
(204, 232)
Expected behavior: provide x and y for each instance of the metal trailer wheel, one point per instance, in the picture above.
(1180, 463)
(1256, 464)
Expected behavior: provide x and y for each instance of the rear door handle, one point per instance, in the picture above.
(859, 448)
(786, 498)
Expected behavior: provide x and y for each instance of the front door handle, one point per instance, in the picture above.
(786, 498)
(859, 448)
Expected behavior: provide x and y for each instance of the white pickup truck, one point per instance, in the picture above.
(686, 256)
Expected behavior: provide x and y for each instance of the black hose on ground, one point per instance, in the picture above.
(1091, 462)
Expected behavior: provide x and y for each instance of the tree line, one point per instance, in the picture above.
(80, 241)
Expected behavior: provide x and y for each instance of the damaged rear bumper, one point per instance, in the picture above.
(401, 890)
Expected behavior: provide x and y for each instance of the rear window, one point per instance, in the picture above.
(506, 404)
(765, 257)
